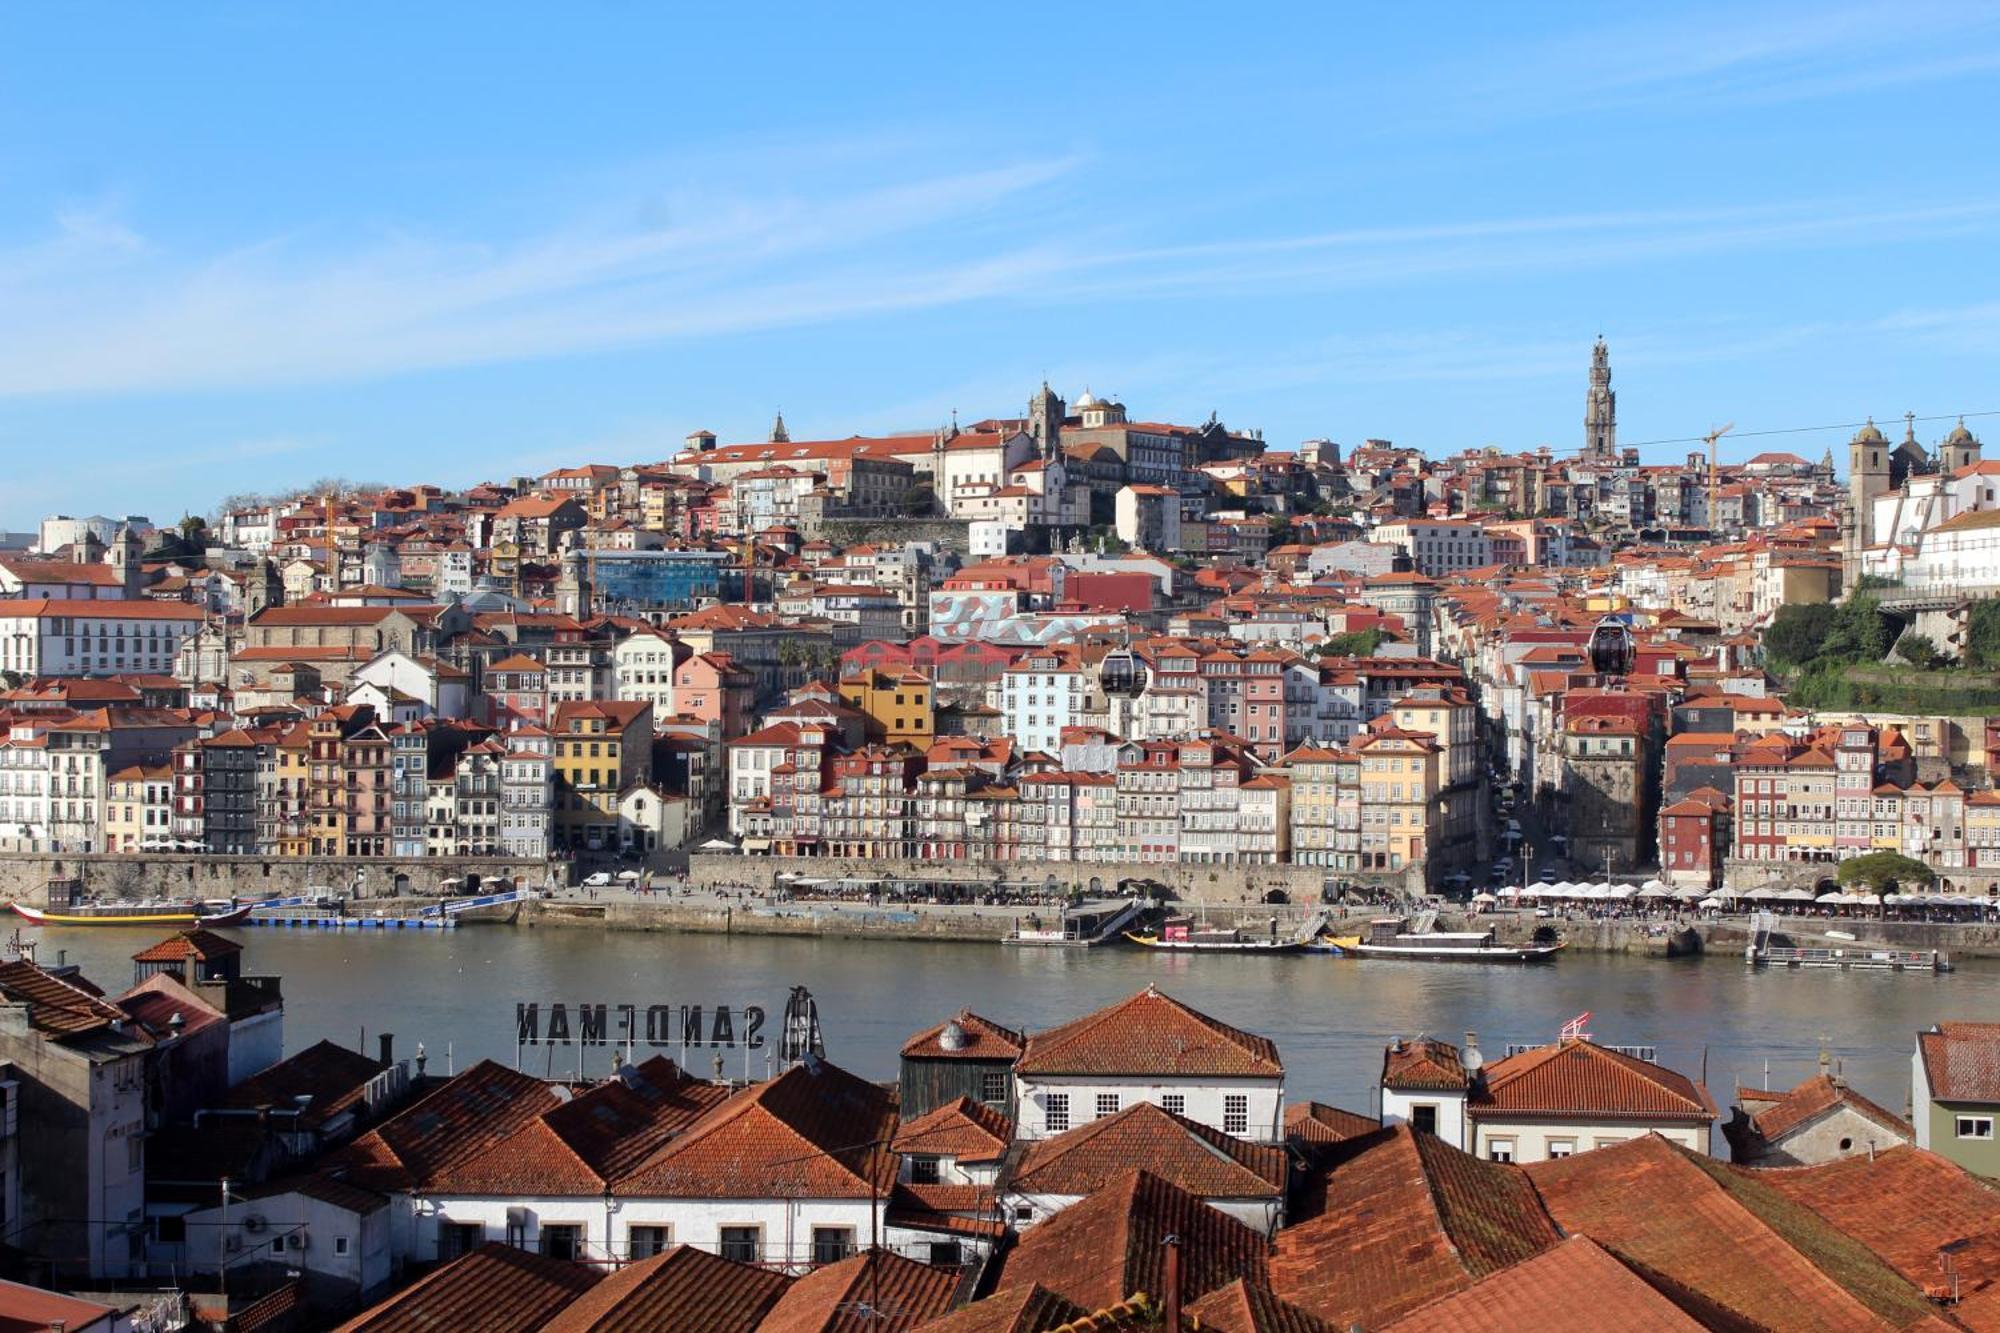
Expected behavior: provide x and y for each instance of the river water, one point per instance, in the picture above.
(456, 991)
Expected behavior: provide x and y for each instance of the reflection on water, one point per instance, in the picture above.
(1329, 1016)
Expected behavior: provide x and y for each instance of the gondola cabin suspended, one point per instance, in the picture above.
(1612, 650)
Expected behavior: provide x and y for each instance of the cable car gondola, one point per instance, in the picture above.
(1612, 649)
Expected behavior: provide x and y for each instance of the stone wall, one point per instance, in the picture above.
(1192, 883)
(949, 534)
(25, 875)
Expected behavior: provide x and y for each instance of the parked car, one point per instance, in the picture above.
(598, 880)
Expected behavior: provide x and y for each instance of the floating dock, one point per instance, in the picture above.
(1851, 960)
(1084, 926)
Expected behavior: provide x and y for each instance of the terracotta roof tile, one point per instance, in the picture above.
(1580, 1078)
(1103, 1249)
(1205, 1162)
(984, 1040)
(1402, 1218)
(453, 1125)
(1029, 1309)
(1150, 1033)
(1574, 1287)
(876, 1291)
(803, 1134)
(1816, 1096)
(963, 1129)
(1243, 1307)
(58, 1006)
(1906, 1205)
(684, 1290)
(1423, 1063)
(1720, 1231)
(1962, 1061)
(495, 1289)
(199, 944)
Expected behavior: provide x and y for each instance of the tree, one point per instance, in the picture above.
(1354, 643)
(1920, 652)
(918, 499)
(1883, 872)
(1982, 635)
(1798, 633)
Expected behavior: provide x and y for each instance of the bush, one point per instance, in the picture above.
(1920, 652)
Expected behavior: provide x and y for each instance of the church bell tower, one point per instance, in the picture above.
(1600, 407)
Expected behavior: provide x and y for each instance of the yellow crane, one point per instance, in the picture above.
(1710, 440)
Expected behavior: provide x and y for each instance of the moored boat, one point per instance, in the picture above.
(210, 914)
(1390, 937)
(1186, 935)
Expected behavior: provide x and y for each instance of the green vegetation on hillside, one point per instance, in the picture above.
(1832, 658)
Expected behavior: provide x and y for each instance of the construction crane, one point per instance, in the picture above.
(1710, 440)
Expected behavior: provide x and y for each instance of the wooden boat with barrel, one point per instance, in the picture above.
(1396, 937)
(1186, 935)
(209, 914)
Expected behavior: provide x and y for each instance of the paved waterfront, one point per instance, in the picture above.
(1329, 1016)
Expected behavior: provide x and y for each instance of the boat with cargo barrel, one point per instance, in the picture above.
(206, 913)
(1185, 934)
(1419, 941)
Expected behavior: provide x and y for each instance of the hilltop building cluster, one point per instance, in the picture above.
(1060, 636)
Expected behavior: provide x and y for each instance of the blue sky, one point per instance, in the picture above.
(245, 246)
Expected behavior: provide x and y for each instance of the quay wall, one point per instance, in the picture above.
(819, 920)
(26, 875)
(1191, 883)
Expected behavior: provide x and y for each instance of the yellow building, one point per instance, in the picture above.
(602, 747)
(899, 706)
(1399, 783)
(138, 805)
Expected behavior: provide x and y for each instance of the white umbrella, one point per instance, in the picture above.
(1831, 898)
(1624, 891)
(1510, 892)
(1655, 889)
(628, 875)
(1652, 884)
(1688, 894)
(1561, 888)
(1483, 898)
(1866, 899)
(1711, 902)
(1796, 896)
(1597, 892)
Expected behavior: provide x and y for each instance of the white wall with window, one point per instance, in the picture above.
(1248, 1108)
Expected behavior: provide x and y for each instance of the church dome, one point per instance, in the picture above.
(1960, 435)
(1085, 399)
(1868, 434)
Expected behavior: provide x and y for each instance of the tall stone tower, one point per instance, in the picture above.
(123, 556)
(1045, 418)
(1958, 450)
(1867, 477)
(1600, 408)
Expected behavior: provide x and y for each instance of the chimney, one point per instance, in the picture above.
(421, 1059)
(1170, 1297)
(388, 1040)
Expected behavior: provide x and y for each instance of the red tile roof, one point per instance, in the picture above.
(1151, 1033)
(1400, 1219)
(1962, 1061)
(803, 1134)
(1423, 1063)
(1243, 1307)
(684, 1290)
(1722, 1232)
(876, 1291)
(495, 1289)
(200, 944)
(1906, 1205)
(1205, 1162)
(60, 1006)
(1580, 1079)
(455, 1124)
(963, 1129)
(1029, 1309)
(984, 1040)
(1812, 1099)
(1574, 1287)
(1316, 1122)
(1101, 1250)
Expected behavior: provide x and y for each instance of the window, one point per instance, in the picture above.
(1236, 1114)
(1500, 1150)
(340, 1245)
(924, 1171)
(1975, 1126)
(1561, 1148)
(1023, 1213)
(166, 1230)
(1425, 1118)
(946, 1254)
(459, 1238)
(1176, 1102)
(1055, 1112)
(993, 1086)
(562, 1240)
(645, 1242)
(741, 1243)
(832, 1244)
(1107, 1104)
(278, 1245)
